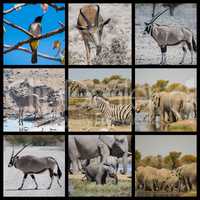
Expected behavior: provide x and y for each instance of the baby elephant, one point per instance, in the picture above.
(98, 172)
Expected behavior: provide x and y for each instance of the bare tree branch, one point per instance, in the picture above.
(31, 39)
(15, 7)
(18, 27)
(39, 54)
(61, 24)
(57, 8)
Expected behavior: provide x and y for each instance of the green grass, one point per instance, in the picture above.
(180, 127)
(190, 194)
(77, 101)
(83, 188)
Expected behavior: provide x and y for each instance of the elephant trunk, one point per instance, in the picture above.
(116, 179)
(124, 163)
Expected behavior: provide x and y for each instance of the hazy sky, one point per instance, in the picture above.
(82, 74)
(163, 144)
(150, 76)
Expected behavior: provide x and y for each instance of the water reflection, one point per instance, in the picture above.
(142, 123)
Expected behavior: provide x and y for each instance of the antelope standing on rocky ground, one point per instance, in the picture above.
(90, 25)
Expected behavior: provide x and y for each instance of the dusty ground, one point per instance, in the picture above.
(87, 125)
(116, 37)
(52, 77)
(146, 49)
(13, 177)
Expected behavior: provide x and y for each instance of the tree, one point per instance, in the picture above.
(177, 87)
(137, 158)
(172, 160)
(17, 45)
(160, 85)
(96, 81)
(187, 159)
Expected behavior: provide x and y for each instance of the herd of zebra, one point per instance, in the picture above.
(113, 114)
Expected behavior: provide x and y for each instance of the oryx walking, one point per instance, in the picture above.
(31, 165)
(166, 35)
(90, 25)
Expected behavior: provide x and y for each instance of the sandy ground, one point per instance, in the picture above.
(146, 49)
(83, 125)
(52, 77)
(119, 28)
(13, 177)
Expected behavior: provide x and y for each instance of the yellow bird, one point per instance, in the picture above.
(36, 29)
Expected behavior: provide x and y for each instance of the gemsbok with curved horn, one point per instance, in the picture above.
(31, 165)
(90, 25)
(166, 35)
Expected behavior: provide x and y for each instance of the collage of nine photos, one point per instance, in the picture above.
(128, 87)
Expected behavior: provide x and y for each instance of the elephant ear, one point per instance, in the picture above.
(109, 140)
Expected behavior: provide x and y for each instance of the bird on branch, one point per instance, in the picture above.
(36, 29)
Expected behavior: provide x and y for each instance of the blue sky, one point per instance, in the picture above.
(185, 76)
(24, 17)
(82, 74)
(163, 144)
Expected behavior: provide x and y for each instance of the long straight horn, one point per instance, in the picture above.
(22, 149)
(158, 15)
(86, 19)
(12, 150)
(97, 16)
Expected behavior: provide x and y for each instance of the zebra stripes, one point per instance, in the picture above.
(115, 114)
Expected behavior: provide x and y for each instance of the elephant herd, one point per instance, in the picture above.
(105, 149)
(170, 106)
(112, 88)
(182, 179)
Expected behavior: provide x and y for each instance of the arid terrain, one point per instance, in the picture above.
(116, 36)
(146, 48)
(52, 79)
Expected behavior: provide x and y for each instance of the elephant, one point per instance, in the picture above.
(162, 175)
(188, 175)
(86, 147)
(171, 183)
(189, 110)
(150, 107)
(98, 172)
(123, 89)
(170, 105)
(146, 177)
(112, 161)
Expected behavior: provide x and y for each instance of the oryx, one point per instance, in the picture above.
(90, 25)
(166, 35)
(31, 165)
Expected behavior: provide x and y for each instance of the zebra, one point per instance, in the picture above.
(113, 114)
